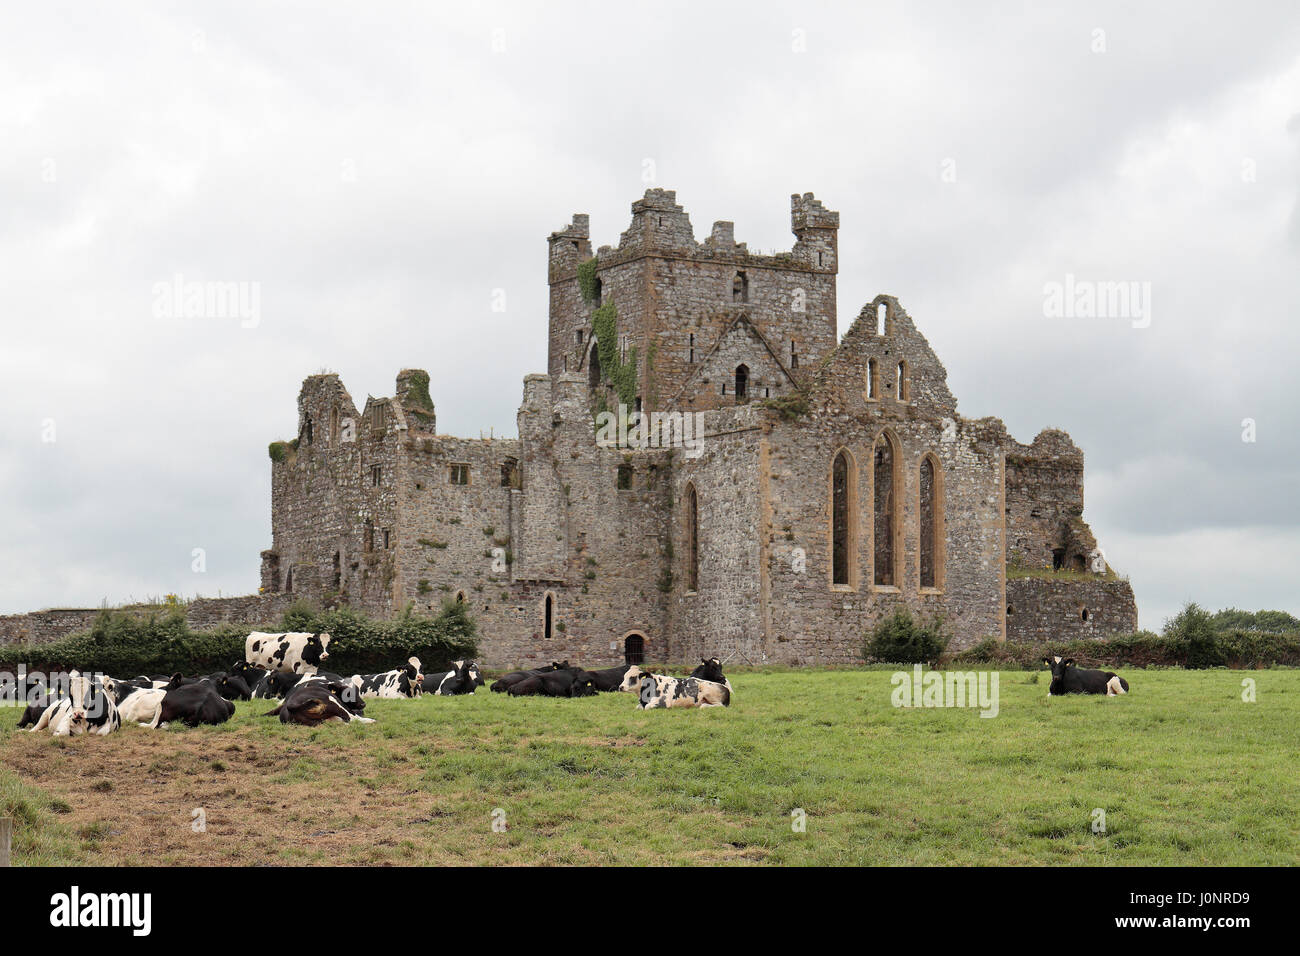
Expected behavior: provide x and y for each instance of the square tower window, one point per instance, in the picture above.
(459, 474)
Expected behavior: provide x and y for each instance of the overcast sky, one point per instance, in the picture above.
(375, 171)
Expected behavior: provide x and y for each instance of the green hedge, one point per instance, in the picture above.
(1238, 649)
(124, 644)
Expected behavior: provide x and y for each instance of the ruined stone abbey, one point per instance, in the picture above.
(764, 490)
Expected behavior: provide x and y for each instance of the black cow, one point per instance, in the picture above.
(1069, 679)
(611, 678)
(250, 674)
(230, 686)
(514, 677)
(313, 702)
(569, 682)
(277, 684)
(193, 704)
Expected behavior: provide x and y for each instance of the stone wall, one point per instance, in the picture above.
(1046, 609)
(41, 627)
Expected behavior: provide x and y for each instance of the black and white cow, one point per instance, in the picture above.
(463, 678)
(296, 652)
(569, 682)
(314, 702)
(88, 709)
(503, 684)
(1069, 679)
(399, 682)
(657, 691)
(193, 704)
(39, 697)
(138, 702)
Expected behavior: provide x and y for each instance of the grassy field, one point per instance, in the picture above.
(1186, 772)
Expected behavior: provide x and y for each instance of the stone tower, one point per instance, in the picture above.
(694, 325)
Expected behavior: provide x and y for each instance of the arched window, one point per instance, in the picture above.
(882, 315)
(740, 288)
(307, 430)
(886, 523)
(872, 384)
(931, 521)
(288, 581)
(593, 366)
(634, 649)
(460, 597)
(842, 538)
(742, 381)
(548, 616)
(692, 540)
(904, 388)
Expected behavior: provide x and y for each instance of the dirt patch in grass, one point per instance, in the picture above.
(135, 802)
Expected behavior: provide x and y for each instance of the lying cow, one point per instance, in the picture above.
(87, 709)
(38, 697)
(463, 678)
(514, 677)
(193, 704)
(277, 684)
(399, 682)
(706, 687)
(569, 682)
(1069, 679)
(613, 678)
(138, 702)
(314, 702)
(295, 652)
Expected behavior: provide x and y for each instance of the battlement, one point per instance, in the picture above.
(660, 226)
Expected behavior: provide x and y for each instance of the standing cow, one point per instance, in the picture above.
(293, 652)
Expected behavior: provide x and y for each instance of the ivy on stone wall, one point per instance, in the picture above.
(587, 280)
(418, 389)
(278, 450)
(620, 375)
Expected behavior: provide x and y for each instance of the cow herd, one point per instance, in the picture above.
(705, 687)
(288, 667)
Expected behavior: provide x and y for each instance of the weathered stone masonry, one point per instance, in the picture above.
(835, 480)
(372, 506)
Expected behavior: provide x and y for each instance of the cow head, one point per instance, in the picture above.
(1058, 665)
(584, 685)
(88, 699)
(413, 670)
(558, 666)
(631, 679)
(710, 669)
(315, 651)
(473, 674)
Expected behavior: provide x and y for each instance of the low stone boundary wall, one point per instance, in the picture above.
(41, 627)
